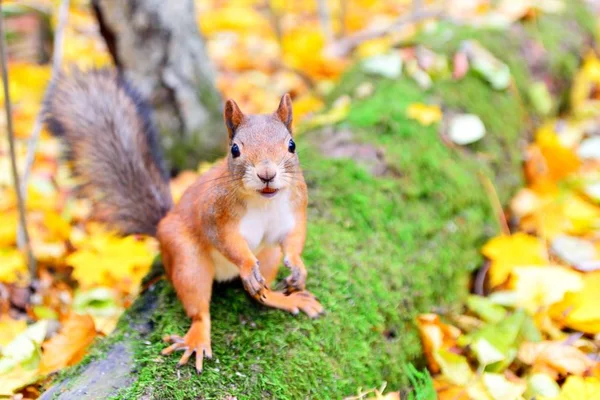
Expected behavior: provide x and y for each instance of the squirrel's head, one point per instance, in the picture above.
(262, 152)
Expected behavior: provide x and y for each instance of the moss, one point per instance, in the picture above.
(379, 252)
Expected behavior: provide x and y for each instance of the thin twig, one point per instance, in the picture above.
(344, 46)
(495, 203)
(63, 14)
(11, 143)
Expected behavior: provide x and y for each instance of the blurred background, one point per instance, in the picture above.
(477, 118)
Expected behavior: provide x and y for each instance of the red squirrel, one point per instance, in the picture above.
(238, 219)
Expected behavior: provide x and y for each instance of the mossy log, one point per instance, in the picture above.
(380, 249)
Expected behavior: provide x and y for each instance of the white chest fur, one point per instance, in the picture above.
(265, 223)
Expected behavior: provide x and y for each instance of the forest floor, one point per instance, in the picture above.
(530, 327)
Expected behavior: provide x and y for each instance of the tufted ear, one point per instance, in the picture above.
(233, 117)
(284, 111)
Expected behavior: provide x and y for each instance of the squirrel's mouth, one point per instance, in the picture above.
(268, 192)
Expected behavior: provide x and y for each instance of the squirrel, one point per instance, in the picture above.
(240, 218)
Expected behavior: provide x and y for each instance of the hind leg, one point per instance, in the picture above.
(192, 275)
(269, 259)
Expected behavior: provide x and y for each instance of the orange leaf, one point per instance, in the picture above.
(69, 346)
(435, 335)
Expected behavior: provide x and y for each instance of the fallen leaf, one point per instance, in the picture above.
(454, 367)
(69, 345)
(424, 114)
(579, 310)
(486, 309)
(466, 129)
(10, 328)
(578, 388)
(508, 252)
(540, 384)
(15, 379)
(25, 348)
(562, 358)
(12, 265)
(540, 287)
(8, 229)
(435, 335)
(501, 388)
(574, 251)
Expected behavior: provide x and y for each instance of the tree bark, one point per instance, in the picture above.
(158, 46)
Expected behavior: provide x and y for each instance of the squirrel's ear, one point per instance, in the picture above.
(284, 111)
(233, 117)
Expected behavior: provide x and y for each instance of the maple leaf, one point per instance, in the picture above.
(69, 345)
(508, 252)
(105, 259)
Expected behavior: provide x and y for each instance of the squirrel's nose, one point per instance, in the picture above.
(266, 176)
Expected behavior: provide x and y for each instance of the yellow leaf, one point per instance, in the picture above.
(374, 47)
(69, 346)
(507, 252)
(581, 214)
(15, 379)
(539, 287)
(578, 388)
(243, 20)
(424, 114)
(12, 265)
(584, 83)
(8, 228)
(306, 105)
(58, 227)
(580, 310)
(338, 112)
(105, 259)
(303, 49)
(10, 328)
(562, 358)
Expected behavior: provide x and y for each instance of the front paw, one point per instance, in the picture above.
(253, 281)
(296, 281)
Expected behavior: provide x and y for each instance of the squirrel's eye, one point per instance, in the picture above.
(235, 151)
(292, 146)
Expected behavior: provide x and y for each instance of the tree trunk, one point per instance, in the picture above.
(394, 230)
(158, 46)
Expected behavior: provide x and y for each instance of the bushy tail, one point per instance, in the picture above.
(113, 147)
